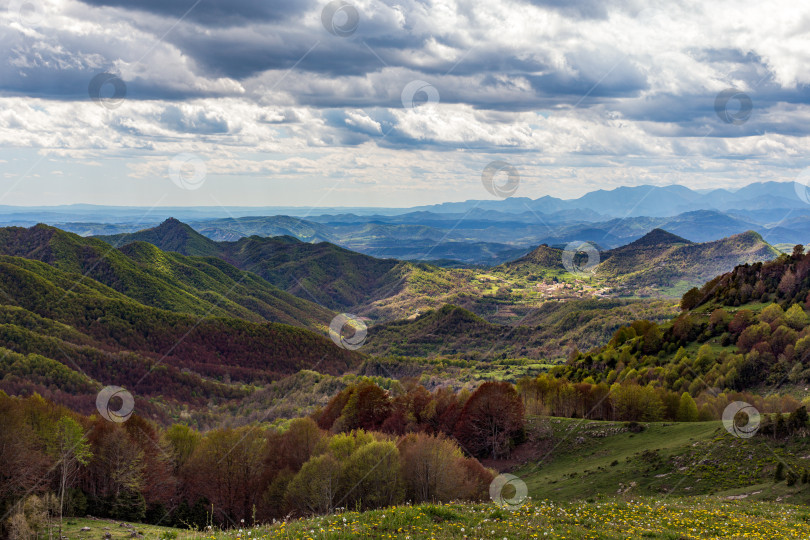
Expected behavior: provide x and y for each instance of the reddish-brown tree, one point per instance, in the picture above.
(367, 408)
(491, 420)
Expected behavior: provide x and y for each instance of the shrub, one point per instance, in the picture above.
(779, 473)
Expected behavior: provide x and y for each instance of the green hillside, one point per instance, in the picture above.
(549, 332)
(324, 273)
(331, 275)
(747, 329)
(192, 285)
(65, 336)
(665, 262)
(574, 459)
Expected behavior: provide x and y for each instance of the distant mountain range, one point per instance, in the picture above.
(475, 233)
(646, 200)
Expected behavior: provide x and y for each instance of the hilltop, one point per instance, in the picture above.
(665, 262)
(171, 235)
(657, 264)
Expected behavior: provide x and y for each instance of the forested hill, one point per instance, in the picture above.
(66, 336)
(333, 276)
(203, 286)
(77, 314)
(785, 280)
(660, 258)
(746, 329)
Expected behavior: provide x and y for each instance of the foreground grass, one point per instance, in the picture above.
(608, 519)
(99, 528)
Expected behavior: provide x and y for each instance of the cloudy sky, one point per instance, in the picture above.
(394, 103)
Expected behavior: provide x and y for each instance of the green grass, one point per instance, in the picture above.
(605, 519)
(646, 517)
(72, 529)
(579, 462)
(583, 458)
(677, 290)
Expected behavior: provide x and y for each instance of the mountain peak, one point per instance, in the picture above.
(172, 223)
(658, 237)
(543, 255)
(171, 235)
(749, 235)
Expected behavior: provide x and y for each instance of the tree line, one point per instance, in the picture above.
(629, 401)
(367, 448)
(55, 462)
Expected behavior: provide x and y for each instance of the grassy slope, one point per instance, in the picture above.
(582, 459)
(72, 528)
(613, 519)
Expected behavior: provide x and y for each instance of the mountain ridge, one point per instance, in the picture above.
(166, 280)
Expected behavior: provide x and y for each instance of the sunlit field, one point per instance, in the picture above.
(642, 518)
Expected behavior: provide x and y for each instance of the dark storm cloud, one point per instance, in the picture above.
(241, 54)
(215, 13)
